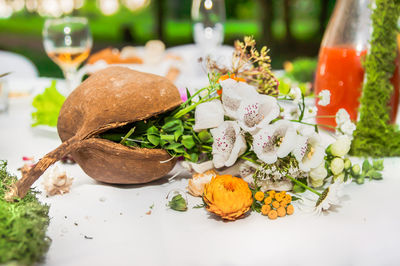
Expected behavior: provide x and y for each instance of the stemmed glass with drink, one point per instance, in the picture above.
(67, 41)
(208, 18)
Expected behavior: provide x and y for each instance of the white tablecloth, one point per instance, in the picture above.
(365, 230)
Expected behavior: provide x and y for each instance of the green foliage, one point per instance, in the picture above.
(374, 135)
(286, 83)
(298, 188)
(256, 205)
(23, 225)
(303, 69)
(171, 131)
(48, 105)
(369, 171)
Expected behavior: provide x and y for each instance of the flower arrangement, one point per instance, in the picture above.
(241, 124)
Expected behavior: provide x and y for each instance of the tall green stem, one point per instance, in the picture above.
(303, 185)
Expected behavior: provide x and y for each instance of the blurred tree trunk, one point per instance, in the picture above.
(288, 20)
(323, 16)
(267, 16)
(160, 15)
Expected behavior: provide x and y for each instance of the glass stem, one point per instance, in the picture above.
(69, 74)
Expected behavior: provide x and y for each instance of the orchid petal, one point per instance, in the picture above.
(208, 115)
(273, 141)
(309, 152)
(228, 144)
(233, 93)
(257, 113)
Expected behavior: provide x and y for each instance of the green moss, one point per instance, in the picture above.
(23, 225)
(374, 135)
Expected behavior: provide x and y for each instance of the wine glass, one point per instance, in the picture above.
(208, 18)
(67, 41)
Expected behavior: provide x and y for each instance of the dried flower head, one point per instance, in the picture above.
(197, 183)
(250, 64)
(56, 181)
(227, 196)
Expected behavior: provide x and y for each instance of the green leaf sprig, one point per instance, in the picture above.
(48, 105)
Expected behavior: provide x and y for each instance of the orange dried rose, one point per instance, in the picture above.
(228, 197)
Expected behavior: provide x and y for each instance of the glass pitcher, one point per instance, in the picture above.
(340, 70)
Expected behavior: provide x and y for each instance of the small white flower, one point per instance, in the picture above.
(228, 144)
(317, 175)
(341, 146)
(295, 94)
(325, 97)
(294, 113)
(330, 196)
(337, 166)
(342, 116)
(257, 113)
(311, 111)
(273, 141)
(208, 115)
(347, 128)
(233, 93)
(309, 152)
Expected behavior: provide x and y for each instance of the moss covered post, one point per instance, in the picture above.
(375, 136)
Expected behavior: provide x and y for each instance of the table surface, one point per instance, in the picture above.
(364, 230)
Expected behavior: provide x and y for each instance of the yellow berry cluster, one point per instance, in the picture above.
(275, 203)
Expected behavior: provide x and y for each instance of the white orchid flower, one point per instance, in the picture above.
(324, 97)
(309, 151)
(233, 93)
(208, 115)
(273, 141)
(257, 113)
(228, 144)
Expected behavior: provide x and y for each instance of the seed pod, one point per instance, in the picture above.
(108, 99)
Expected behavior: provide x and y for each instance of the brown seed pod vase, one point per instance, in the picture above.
(108, 99)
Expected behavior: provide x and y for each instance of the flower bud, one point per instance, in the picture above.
(356, 169)
(317, 183)
(318, 173)
(347, 163)
(176, 201)
(341, 146)
(337, 166)
(339, 177)
(205, 136)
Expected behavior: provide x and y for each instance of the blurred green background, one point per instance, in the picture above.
(290, 28)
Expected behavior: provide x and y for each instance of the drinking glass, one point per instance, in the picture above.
(67, 41)
(208, 18)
